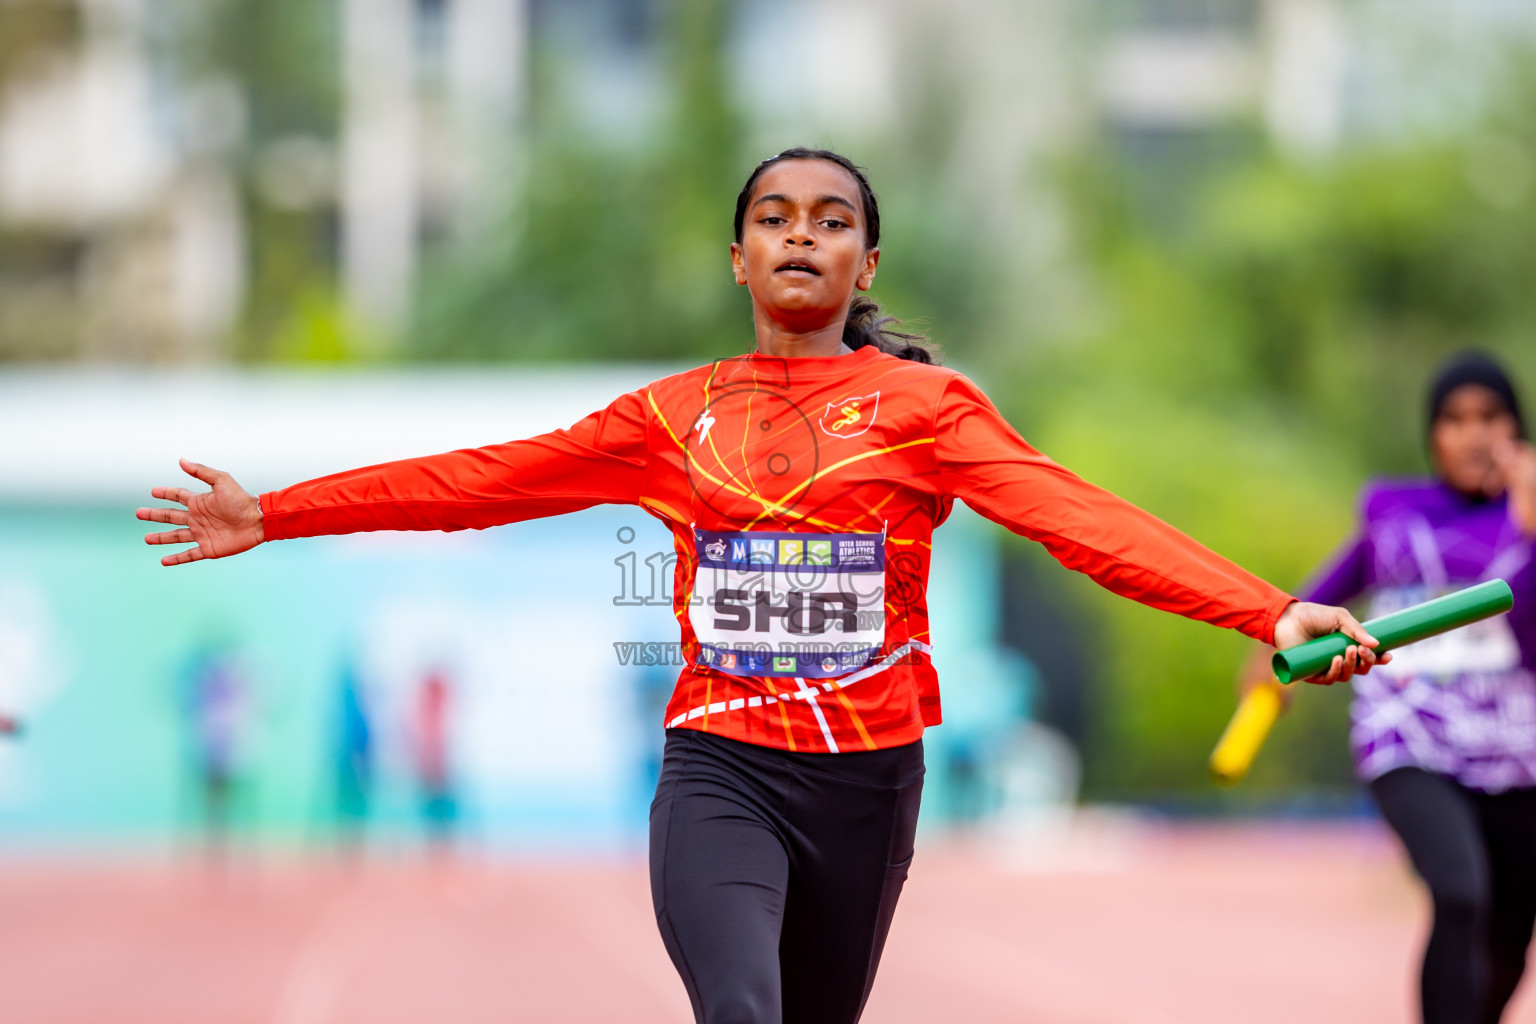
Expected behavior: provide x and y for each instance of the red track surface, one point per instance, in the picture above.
(1115, 926)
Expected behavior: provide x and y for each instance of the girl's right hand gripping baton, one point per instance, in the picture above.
(1399, 629)
(1258, 711)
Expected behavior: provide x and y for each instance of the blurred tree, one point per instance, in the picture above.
(612, 251)
(1243, 366)
(278, 59)
(616, 250)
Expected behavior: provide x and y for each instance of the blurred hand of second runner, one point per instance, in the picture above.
(1256, 671)
(222, 522)
(1304, 621)
(1515, 469)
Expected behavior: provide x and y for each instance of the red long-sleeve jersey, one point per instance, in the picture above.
(802, 495)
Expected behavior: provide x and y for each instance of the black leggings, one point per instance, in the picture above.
(1477, 854)
(775, 874)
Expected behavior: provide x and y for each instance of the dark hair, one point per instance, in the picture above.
(865, 325)
(1473, 367)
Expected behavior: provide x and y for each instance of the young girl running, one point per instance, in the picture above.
(802, 483)
(1445, 737)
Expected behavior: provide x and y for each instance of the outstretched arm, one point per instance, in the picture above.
(983, 460)
(601, 460)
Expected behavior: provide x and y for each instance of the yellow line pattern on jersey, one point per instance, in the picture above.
(770, 507)
(858, 723)
(746, 432)
(789, 735)
(665, 425)
(850, 459)
(718, 458)
(877, 506)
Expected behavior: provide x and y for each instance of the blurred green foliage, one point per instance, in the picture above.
(281, 58)
(614, 250)
(1242, 368)
(616, 253)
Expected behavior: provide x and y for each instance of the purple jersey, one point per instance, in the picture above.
(1464, 703)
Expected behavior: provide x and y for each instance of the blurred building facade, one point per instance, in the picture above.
(150, 196)
(1173, 77)
(116, 239)
(134, 157)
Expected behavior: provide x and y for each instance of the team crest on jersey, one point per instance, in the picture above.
(851, 416)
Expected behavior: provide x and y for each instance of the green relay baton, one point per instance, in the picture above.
(1399, 629)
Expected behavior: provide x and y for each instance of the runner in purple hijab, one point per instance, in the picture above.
(1444, 735)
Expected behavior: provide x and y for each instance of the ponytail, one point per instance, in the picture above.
(865, 324)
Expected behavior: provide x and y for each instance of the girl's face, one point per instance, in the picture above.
(802, 250)
(1472, 421)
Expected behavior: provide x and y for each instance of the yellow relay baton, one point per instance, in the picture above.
(1246, 733)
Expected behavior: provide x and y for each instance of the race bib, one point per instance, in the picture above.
(1484, 647)
(810, 605)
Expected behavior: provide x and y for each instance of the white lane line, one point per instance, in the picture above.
(342, 941)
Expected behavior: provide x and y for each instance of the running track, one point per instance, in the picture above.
(1111, 924)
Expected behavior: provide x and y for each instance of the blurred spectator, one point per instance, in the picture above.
(217, 706)
(655, 689)
(433, 748)
(354, 757)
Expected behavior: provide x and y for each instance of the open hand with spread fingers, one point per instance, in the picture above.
(221, 522)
